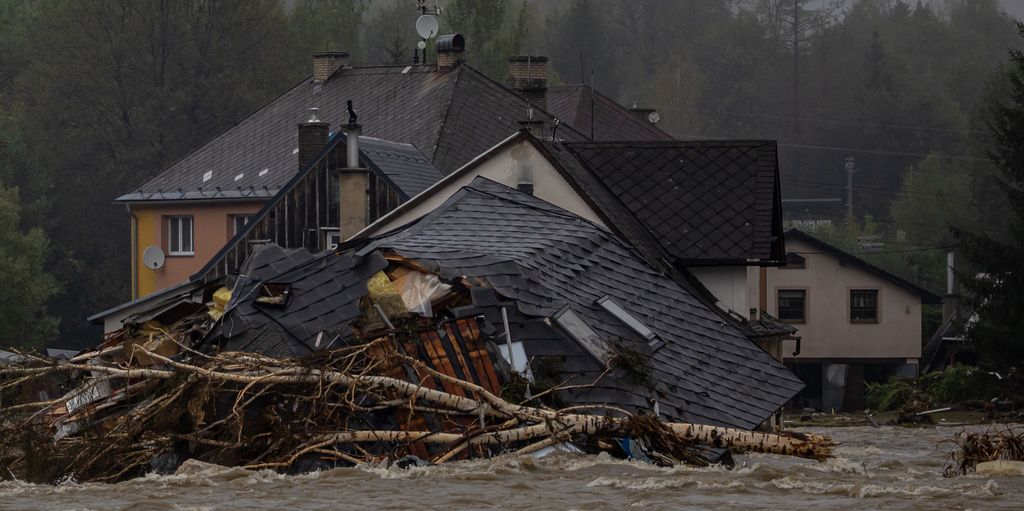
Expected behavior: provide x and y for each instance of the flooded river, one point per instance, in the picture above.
(889, 468)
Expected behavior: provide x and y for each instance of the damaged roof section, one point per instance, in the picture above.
(571, 292)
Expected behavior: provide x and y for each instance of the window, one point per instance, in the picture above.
(864, 306)
(239, 222)
(793, 305)
(332, 239)
(795, 261)
(179, 236)
(634, 324)
(581, 332)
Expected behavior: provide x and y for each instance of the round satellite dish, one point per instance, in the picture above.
(421, 45)
(654, 117)
(153, 257)
(426, 26)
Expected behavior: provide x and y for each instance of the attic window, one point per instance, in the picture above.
(274, 293)
(795, 261)
(612, 307)
(580, 331)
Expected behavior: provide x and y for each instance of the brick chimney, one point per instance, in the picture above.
(313, 136)
(528, 76)
(327, 62)
(451, 50)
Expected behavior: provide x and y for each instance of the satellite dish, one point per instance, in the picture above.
(653, 117)
(426, 26)
(153, 257)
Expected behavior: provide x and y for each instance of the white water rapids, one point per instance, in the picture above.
(888, 468)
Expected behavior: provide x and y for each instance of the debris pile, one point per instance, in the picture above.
(146, 401)
(969, 449)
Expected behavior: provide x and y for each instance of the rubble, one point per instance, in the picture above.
(350, 405)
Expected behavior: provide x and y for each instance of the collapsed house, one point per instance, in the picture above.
(568, 294)
(422, 341)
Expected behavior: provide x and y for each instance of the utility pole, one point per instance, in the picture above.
(796, 80)
(850, 169)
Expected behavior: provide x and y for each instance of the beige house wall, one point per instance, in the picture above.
(510, 166)
(828, 332)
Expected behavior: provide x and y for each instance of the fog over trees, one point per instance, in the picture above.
(96, 96)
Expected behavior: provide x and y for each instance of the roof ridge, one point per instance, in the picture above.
(494, 83)
(447, 111)
(867, 266)
(650, 127)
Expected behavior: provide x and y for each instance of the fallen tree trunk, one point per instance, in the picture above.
(279, 410)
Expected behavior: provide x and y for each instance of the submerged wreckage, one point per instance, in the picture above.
(496, 323)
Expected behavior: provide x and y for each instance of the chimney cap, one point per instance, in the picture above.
(451, 43)
(528, 58)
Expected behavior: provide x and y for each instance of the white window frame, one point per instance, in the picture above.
(234, 223)
(176, 233)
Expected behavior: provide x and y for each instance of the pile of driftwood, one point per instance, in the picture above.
(143, 411)
(968, 449)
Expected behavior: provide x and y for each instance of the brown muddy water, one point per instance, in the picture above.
(888, 468)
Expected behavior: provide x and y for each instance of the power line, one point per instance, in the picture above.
(837, 121)
(876, 152)
(880, 190)
(883, 153)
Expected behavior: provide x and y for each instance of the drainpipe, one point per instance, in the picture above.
(135, 251)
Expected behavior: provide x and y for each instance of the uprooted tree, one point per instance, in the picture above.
(355, 404)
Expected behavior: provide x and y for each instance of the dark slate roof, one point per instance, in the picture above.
(403, 164)
(925, 295)
(611, 121)
(325, 290)
(450, 115)
(544, 258)
(705, 202)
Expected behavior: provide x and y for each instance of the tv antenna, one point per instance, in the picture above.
(426, 25)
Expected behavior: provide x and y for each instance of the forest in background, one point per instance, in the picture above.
(96, 96)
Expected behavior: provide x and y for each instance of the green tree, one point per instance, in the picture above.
(494, 30)
(390, 35)
(996, 289)
(27, 287)
(113, 93)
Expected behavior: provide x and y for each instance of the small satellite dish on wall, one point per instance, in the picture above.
(153, 257)
(653, 117)
(426, 26)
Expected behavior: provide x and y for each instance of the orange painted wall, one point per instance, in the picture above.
(211, 229)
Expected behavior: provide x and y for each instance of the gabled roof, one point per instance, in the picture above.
(678, 202)
(542, 258)
(450, 115)
(852, 260)
(705, 202)
(402, 164)
(586, 109)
